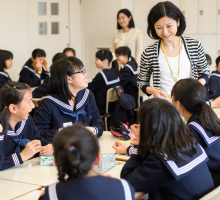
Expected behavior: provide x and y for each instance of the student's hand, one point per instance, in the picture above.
(30, 149)
(45, 65)
(120, 147)
(42, 193)
(38, 67)
(134, 141)
(47, 150)
(91, 129)
(136, 130)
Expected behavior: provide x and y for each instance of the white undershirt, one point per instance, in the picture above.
(166, 77)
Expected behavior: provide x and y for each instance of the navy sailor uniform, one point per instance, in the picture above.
(53, 114)
(25, 131)
(92, 188)
(128, 79)
(210, 143)
(104, 80)
(214, 85)
(42, 89)
(29, 76)
(168, 179)
(4, 78)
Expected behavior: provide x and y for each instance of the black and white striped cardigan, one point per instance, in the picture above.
(150, 63)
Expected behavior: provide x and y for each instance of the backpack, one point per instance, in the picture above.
(123, 111)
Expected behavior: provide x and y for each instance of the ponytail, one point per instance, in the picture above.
(75, 150)
(10, 93)
(192, 94)
(4, 120)
(209, 119)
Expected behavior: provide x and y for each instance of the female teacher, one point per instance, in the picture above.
(127, 35)
(172, 57)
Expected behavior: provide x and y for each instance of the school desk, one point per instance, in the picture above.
(13, 189)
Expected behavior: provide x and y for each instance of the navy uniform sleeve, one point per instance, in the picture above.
(43, 121)
(9, 161)
(2, 80)
(95, 121)
(144, 175)
(125, 77)
(42, 89)
(96, 83)
(29, 78)
(213, 85)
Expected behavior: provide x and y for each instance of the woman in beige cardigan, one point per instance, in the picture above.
(127, 35)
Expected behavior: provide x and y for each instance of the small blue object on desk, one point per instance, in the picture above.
(107, 162)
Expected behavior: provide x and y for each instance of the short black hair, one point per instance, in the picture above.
(36, 53)
(163, 9)
(69, 49)
(217, 60)
(58, 56)
(60, 69)
(103, 54)
(208, 58)
(128, 14)
(4, 55)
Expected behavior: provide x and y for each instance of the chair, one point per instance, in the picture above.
(110, 97)
(213, 195)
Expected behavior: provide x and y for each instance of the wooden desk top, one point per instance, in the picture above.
(12, 189)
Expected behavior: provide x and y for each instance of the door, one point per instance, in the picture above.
(48, 26)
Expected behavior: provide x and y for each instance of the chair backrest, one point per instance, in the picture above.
(213, 195)
(111, 96)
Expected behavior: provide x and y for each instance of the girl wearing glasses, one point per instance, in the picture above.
(69, 102)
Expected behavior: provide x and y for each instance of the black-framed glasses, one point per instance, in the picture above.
(83, 71)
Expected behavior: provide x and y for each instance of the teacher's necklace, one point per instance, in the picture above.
(180, 46)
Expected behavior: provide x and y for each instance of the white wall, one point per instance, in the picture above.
(14, 32)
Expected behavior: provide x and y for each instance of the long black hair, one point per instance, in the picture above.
(75, 150)
(163, 132)
(4, 55)
(60, 69)
(192, 95)
(11, 93)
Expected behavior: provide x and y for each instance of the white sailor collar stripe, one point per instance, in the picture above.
(215, 74)
(189, 166)
(132, 70)
(109, 82)
(68, 107)
(202, 131)
(18, 131)
(83, 100)
(32, 70)
(52, 192)
(4, 74)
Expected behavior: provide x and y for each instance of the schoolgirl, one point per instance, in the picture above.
(19, 138)
(69, 101)
(189, 97)
(167, 161)
(6, 58)
(104, 80)
(42, 89)
(128, 74)
(76, 153)
(35, 69)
